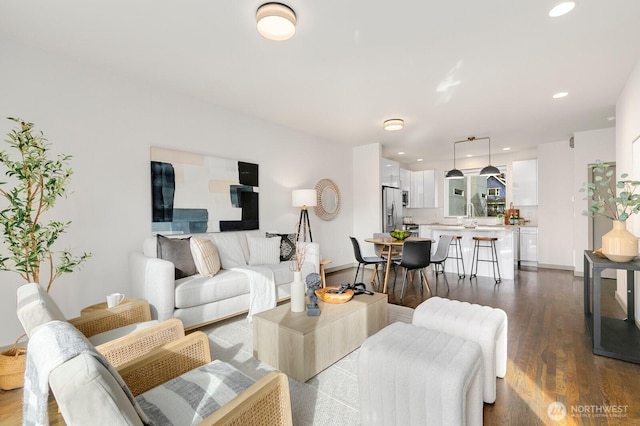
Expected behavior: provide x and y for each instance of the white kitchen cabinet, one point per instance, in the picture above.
(524, 176)
(424, 189)
(405, 180)
(389, 173)
(425, 231)
(528, 244)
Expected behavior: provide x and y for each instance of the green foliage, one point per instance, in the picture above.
(611, 199)
(37, 182)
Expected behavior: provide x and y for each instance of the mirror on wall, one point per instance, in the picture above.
(328, 199)
(475, 196)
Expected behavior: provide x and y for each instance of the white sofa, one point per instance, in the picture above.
(198, 300)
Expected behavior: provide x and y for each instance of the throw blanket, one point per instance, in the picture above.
(262, 289)
(50, 346)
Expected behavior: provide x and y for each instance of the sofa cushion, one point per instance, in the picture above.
(264, 251)
(230, 250)
(178, 252)
(199, 290)
(205, 256)
(287, 245)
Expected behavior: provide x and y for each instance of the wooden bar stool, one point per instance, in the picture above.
(490, 243)
(457, 246)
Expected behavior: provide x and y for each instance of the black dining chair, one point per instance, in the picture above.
(416, 255)
(440, 256)
(365, 260)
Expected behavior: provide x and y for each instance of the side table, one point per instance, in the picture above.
(323, 262)
(614, 338)
(128, 303)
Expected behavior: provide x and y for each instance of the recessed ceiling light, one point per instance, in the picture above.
(612, 118)
(562, 9)
(469, 155)
(276, 21)
(506, 148)
(393, 124)
(401, 153)
(560, 95)
(419, 159)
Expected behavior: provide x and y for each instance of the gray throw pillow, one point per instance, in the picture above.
(178, 252)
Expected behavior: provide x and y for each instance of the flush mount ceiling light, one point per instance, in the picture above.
(276, 21)
(562, 9)
(393, 124)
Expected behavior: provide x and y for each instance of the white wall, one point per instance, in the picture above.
(367, 195)
(589, 147)
(108, 123)
(627, 131)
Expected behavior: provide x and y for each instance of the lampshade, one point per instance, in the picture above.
(454, 174)
(276, 21)
(489, 171)
(304, 198)
(393, 124)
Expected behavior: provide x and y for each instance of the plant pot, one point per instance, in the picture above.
(619, 245)
(12, 366)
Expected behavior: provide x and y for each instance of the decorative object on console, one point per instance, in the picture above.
(328, 202)
(225, 191)
(304, 198)
(616, 201)
(297, 293)
(35, 182)
(314, 282)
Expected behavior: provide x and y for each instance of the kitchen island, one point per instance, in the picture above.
(504, 247)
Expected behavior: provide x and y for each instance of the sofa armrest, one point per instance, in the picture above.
(312, 255)
(132, 346)
(103, 320)
(154, 280)
(166, 362)
(266, 402)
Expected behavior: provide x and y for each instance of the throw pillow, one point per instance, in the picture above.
(230, 250)
(287, 245)
(264, 251)
(178, 252)
(205, 256)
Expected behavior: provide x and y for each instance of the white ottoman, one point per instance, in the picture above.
(409, 375)
(484, 325)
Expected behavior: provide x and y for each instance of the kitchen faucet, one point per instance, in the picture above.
(472, 210)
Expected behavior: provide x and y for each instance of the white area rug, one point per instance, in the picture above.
(330, 398)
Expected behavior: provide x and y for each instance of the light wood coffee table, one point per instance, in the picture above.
(302, 346)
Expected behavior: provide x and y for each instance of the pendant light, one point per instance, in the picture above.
(488, 170)
(454, 173)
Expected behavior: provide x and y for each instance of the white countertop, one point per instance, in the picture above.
(478, 228)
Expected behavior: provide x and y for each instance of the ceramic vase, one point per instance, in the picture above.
(619, 245)
(297, 293)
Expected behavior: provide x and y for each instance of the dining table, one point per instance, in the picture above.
(389, 244)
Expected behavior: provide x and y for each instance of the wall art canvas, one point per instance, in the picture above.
(193, 193)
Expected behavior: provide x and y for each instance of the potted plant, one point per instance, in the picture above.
(615, 200)
(35, 182)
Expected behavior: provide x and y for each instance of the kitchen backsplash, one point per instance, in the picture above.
(436, 215)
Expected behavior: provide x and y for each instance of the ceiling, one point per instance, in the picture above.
(450, 69)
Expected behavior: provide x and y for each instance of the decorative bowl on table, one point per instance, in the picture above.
(399, 235)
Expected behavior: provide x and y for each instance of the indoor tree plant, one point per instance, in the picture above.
(615, 200)
(35, 182)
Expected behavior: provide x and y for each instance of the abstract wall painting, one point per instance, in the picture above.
(193, 193)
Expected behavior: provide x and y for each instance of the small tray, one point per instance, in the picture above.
(334, 297)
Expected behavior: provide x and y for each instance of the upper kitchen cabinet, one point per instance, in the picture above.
(424, 189)
(405, 180)
(389, 173)
(525, 182)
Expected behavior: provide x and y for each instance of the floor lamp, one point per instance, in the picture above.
(304, 198)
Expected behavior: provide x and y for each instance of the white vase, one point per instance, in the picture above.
(619, 245)
(298, 301)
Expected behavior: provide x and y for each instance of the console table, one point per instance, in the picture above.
(614, 338)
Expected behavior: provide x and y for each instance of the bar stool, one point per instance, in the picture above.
(457, 246)
(490, 243)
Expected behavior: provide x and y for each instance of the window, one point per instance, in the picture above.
(473, 195)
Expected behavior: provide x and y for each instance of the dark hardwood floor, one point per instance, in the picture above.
(550, 356)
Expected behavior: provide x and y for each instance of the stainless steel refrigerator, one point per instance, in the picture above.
(391, 208)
